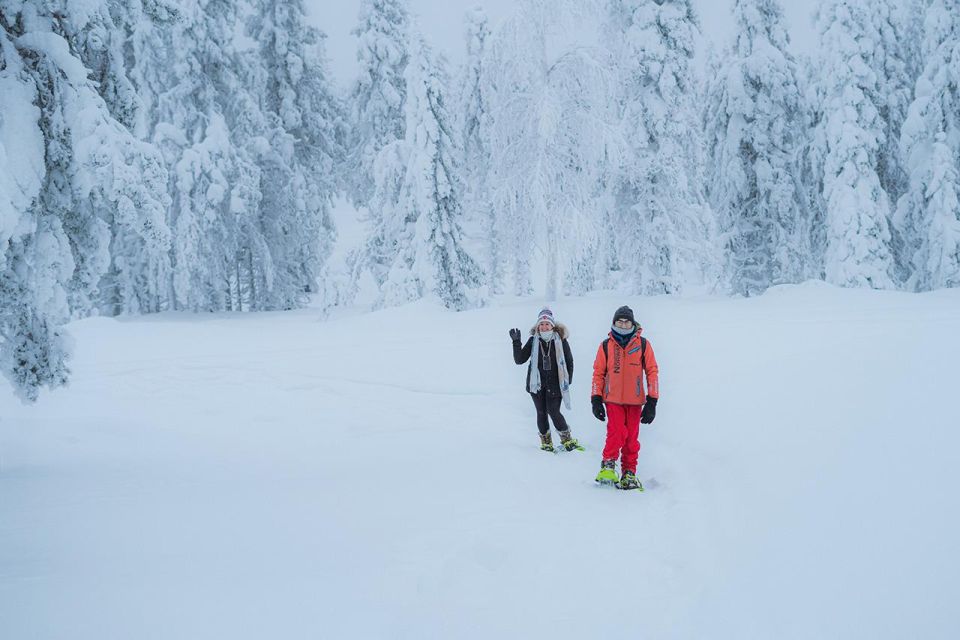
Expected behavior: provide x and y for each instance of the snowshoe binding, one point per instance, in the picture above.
(569, 442)
(629, 481)
(546, 443)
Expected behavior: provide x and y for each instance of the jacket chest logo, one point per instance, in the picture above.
(617, 359)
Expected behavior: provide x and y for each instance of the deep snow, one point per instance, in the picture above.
(377, 476)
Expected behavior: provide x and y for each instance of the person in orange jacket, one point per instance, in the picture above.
(618, 395)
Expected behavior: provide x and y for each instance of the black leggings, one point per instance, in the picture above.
(549, 405)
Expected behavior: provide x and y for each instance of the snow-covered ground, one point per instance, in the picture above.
(377, 476)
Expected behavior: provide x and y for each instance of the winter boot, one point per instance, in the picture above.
(546, 442)
(569, 442)
(629, 481)
(608, 472)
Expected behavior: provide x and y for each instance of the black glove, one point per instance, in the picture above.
(515, 335)
(598, 411)
(649, 411)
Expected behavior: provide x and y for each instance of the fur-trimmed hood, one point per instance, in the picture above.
(559, 327)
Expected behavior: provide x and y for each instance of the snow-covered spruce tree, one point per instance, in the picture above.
(474, 121)
(513, 73)
(850, 137)
(584, 141)
(137, 279)
(63, 94)
(754, 123)
(299, 174)
(203, 216)
(419, 193)
(928, 214)
(97, 183)
(896, 64)
(376, 121)
(34, 268)
(261, 146)
(896, 60)
(321, 150)
(147, 47)
(99, 41)
(35, 258)
(549, 140)
(812, 162)
(196, 92)
(106, 187)
(474, 108)
(377, 98)
(665, 236)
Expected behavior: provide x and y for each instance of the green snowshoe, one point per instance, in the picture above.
(608, 473)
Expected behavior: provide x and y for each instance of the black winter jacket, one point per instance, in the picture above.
(549, 377)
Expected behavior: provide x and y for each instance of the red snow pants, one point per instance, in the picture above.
(623, 434)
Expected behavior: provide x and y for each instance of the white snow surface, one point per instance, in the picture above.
(377, 475)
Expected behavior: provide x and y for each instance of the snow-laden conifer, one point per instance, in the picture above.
(928, 214)
(896, 63)
(35, 258)
(195, 89)
(419, 193)
(850, 137)
(303, 123)
(94, 235)
(552, 131)
(377, 98)
(664, 232)
(755, 126)
(474, 120)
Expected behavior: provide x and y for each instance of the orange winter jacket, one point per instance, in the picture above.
(618, 372)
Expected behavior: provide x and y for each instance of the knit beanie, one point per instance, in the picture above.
(623, 312)
(546, 314)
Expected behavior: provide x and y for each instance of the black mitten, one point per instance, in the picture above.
(598, 411)
(515, 335)
(649, 411)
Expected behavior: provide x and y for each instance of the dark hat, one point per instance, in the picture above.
(623, 312)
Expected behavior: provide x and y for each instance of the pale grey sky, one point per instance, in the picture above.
(442, 23)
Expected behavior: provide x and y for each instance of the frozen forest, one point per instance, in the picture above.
(165, 155)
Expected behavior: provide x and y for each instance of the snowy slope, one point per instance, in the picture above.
(377, 476)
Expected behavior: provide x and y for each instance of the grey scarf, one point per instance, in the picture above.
(561, 365)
